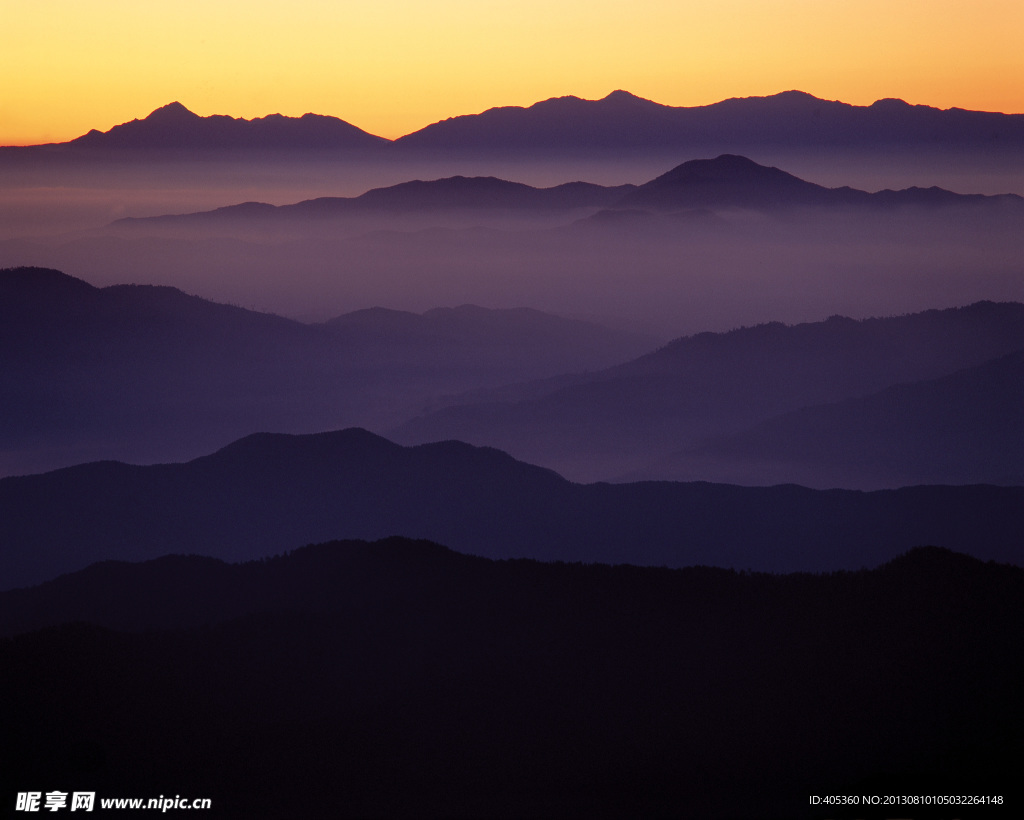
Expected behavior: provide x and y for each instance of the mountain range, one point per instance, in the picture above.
(151, 373)
(725, 182)
(401, 679)
(267, 493)
(960, 428)
(622, 121)
(940, 373)
(174, 127)
(345, 563)
(619, 123)
(145, 374)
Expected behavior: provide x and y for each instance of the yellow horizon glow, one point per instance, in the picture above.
(399, 65)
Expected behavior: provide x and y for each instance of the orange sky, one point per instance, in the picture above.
(395, 66)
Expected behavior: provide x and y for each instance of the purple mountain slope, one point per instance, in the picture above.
(958, 429)
(717, 384)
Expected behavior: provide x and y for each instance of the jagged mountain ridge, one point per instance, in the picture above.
(619, 122)
(174, 127)
(791, 118)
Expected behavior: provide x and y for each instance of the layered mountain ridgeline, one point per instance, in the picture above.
(610, 424)
(712, 244)
(726, 182)
(961, 428)
(174, 161)
(621, 123)
(152, 373)
(401, 679)
(266, 493)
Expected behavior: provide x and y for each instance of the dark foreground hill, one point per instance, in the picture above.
(399, 679)
(267, 493)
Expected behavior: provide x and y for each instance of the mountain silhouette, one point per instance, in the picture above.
(150, 373)
(417, 196)
(266, 493)
(622, 122)
(963, 428)
(595, 425)
(401, 679)
(730, 181)
(174, 127)
(617, 120)
(489, 192)
(724, 182)
(734, 181)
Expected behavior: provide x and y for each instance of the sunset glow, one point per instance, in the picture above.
(395, 66)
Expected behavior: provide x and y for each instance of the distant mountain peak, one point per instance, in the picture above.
(618, 95)
(259, 444)
(892, 103)
(729, 161)
(796, 94)
(172, 111)
(722, 167)
(784, 100)
(728, 180)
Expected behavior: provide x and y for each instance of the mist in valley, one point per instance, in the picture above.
(666, 274)
(640, 255)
